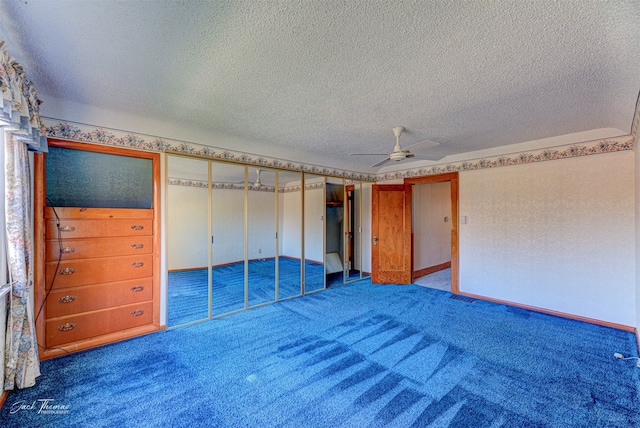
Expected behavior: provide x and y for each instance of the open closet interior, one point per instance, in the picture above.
(241, 236)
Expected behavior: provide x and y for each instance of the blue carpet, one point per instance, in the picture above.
(350, 356)
(188, 295)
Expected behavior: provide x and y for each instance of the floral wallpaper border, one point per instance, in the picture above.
(86, 133)
(240, 186)
(562, 152)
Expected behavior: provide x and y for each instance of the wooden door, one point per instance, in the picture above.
(391, 230)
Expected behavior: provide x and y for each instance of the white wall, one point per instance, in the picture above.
(431, 234)
(187, 233)
(262, 225)
(290, 224)
(558, 235)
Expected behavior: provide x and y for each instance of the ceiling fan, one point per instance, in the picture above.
(399, 153)
(258, 183)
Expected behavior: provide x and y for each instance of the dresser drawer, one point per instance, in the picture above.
(96, 213)
(98, 247)
(83, 326)
(96, 271)
(70, 228)
(94, 297)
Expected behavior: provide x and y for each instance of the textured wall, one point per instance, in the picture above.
(558, 235)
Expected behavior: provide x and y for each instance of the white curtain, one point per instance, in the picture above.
(23, 131)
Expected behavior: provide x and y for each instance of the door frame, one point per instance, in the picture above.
(451, 177)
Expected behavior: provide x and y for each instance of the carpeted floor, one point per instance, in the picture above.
(350, 356)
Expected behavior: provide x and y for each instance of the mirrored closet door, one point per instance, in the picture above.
(240, 236)
(228, 238)
(289, 234)
(262, 212)
(187, 240)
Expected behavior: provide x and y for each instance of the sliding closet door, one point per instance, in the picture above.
(262, 210)
(187, 240)
(314, 213)
(289, 234)
(227, 240)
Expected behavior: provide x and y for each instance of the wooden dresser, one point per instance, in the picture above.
(97, 271)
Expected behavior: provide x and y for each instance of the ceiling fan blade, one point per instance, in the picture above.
(423, 145)
(368, 154)
(382, 162)
(424, 156)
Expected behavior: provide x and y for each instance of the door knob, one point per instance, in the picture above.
(375, 240)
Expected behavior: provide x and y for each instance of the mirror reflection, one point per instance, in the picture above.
(335, 256)
(240, 236)
(187, 240)
(227, 237)
(352, 235)
(261, 237)
(289, 234)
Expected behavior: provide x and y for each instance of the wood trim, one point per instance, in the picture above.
(98, 341)
(98, 213)
(157, 231)
(186, 269)
(453, 178)
(228, 264)
(40, 286)
(3, 398)
(552, 312)
(449, 176)
(431, 269)
(112, 150)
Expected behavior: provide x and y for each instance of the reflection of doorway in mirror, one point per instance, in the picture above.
(334, 233)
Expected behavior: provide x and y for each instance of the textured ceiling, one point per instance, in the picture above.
(313, 81)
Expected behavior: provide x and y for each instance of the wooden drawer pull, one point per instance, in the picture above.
(68, 250)
(137, 227)
(137, 246)
(137, 312)
(137, 288)
(67, 228)
(137, 264)
(67, 299)
(66, 327)
(67, 271)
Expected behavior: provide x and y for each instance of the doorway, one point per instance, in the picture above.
(392, 257)
(436, 220)
(431, 232)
